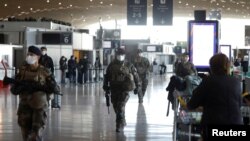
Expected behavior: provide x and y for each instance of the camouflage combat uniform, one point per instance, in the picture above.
(142, 65)
(33, 102)
(115, 80)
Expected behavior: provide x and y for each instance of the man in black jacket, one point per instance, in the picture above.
(46, 60)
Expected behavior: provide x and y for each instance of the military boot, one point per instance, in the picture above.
(124, 123)
(140, 100)
(118, 127)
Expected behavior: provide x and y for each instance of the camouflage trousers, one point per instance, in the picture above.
(144, 84)
(119, 99)
(32, 122)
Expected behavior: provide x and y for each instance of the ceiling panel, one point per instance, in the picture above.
(84, 12)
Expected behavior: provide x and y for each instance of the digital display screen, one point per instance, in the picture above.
(226, 49)
(106, 44)
(57, 38)
(203, 42)
(151, 48)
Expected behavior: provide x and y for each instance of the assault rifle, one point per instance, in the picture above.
(107, 96)
(25, 85)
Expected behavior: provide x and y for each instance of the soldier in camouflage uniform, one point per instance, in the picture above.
(36, 83)
(142, 65)
(121, 77)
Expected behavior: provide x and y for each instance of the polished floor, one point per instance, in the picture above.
(84, 115)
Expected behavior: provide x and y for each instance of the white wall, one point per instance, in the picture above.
(7, 50)
(83, 41)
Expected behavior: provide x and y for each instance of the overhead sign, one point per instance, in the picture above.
(162, 12)
(54, 38)
(137, 12)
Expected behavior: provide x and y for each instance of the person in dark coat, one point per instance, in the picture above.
(63, 68)
(219, 94)
(85, 63)
(46, 60)
(72, 69)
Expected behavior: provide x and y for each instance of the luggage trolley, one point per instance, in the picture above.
(186, 123)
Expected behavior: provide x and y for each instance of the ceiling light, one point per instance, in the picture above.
(90, 0)
(18, 7)
(5, 5)
(186, 4)
(151, 5)
(217, 4)
(31, 9)
(71, 5)
(59, 3)
(193, 6)
(101, 2)
(87, 8)
(111, 4)
(47, 1)
(179, 2)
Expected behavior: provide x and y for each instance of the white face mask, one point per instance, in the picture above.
(44, 52)
(121, 57)
(31, 59)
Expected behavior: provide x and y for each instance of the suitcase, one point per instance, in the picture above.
(56, 102)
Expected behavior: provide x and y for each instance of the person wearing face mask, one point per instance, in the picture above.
(63, 67)
(142, 65)
(72, 69)
(33, 101)
(46, 60)
(121, 77)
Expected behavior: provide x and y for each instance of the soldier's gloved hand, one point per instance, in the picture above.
(106, 88)
(136, 90)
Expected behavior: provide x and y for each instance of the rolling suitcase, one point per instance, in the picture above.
(56, 101)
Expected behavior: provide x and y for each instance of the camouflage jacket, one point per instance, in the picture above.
(142, 66)
(116, 72)
(38, 87)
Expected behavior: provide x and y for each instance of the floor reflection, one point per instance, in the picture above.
(141, 124)
(84, 115)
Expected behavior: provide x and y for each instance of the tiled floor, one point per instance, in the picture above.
(84, 115)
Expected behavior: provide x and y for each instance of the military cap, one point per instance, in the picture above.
(35, 50)
(120, 51)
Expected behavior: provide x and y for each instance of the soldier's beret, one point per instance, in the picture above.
(120, 51)
(35, 50)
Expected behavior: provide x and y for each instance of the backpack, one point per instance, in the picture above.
(191, 81)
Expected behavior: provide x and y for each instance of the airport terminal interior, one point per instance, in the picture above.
(163, 30)
(84, 115)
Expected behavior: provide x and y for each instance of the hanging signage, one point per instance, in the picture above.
(55, 38)
(137, 12)
(162, 12)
